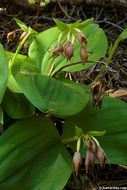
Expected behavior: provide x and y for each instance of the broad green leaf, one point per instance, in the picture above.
(42, 44)
(22, 25)
(22, 60)
(95, 45)
(32, 157)
(3, 71)
(112, 118)
(61, 25)
(51, 95)
(16, 105)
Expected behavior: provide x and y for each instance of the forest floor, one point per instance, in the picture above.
(113, 21)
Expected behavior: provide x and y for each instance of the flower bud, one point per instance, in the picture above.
(90, 158)
(22, 36)
(83, 54)
(82, 39)
(76, 162)
(68, 50)
(91, 145)
(11, 36)
(100, 154)
(97, 92)
(58, 50)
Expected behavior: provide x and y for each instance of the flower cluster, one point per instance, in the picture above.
(66, 49)
(91, 153)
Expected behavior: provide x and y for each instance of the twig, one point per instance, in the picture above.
(64, 10)
(108, 22)
(76, 63)
(38, 10)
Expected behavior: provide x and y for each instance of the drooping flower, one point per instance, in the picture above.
(82, 39)
(58, 50)
(83, 54)
(68, 50)
(91, 145)
(101, 156)
(89, 161)
(76, 162)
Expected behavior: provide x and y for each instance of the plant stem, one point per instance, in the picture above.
(64, 10)
(78, 144)
(112, 52)
(71, 64)
(49, 67)
(109, 59)
(95, 140)
(18, 49)
(38, 10)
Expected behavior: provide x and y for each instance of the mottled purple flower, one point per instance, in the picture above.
(57, 51)
(91, 145)
(68, 50)
(89, 161)
(82, 39)
(100, 154)
(83, 54)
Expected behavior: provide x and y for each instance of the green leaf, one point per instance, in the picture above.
(33, 32)
(16, 105)
(123, 35)
(74, 25)
(61, 25)
(50, 95)
(32, 157)
(21, 60)
(3, 71)
(78, 131)
(85, 23)
(42, 44)
(112, 118)
(22, 25)
(96, 133)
